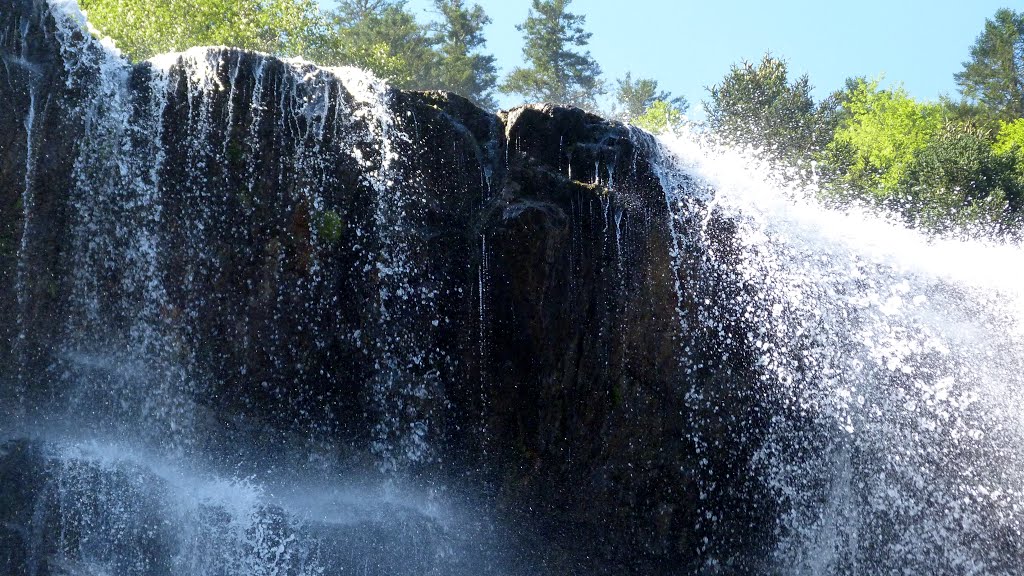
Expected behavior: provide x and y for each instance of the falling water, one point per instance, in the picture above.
(126, 203)
(407, 376)
(148, 239)
(27, 199)
(889, 363)
(110, 508)
(892, 364)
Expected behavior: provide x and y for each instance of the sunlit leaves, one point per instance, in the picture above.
(633, 98)
(463, 67)
(1010, 141)
(957, 178)
(143, 29)
(383, 37)
(660, 116)
(881, 132)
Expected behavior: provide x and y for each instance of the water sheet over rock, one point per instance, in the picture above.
(260, 317)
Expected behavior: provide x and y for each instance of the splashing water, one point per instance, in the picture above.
(152, 245)
(109, 508)
(891, 365)
(151, 238)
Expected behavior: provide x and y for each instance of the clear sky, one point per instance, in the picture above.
(689, 45)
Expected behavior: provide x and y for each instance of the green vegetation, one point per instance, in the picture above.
(660, 116)
(463, 69)
(757, 105)
(994, 76)
(143, 29)
(1010, 141)
(641, 103)
(329, 227)
(380, 35)
(879, 135)
(942, 165)
(958, 179)
(555, 71)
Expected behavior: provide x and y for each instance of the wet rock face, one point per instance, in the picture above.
(426, 286)
(20, 473)
(579, 347)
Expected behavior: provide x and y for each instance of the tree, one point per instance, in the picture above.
(660, 116)
(462, 68)
(636, 97)
(142, 28)
(356, 10)
(994, 76)
(1010, 140)
(384, 37)
(757, 105)
(556, 72)
(957, 178)
(1009, 143)
(879, 134)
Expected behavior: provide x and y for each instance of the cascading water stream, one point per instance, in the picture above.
(27, 199)
(891, 364)
(281, 319)
(120, 218)
(150, 242)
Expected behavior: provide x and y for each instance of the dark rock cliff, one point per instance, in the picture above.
(424, 286)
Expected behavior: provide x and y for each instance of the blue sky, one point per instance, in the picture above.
(687, 45)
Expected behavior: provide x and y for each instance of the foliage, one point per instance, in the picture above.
(970, 113)
(142, 28)
(384, 37)
(330, 227)
(994, 76)
(355, 10)
(757, 105)
(879, 133)
(634, 98)
(1009, 142)
(958, 178)
(1010, 139)
(555, 72)
(660, 116)
(941, 165)
(380, 35)
(462, 68)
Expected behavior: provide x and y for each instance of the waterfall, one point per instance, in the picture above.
(892, 364)
(107, 508)
(154, 241)
(191, 167)
(27, 199)
(271, 318)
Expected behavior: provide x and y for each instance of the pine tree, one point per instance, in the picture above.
(556, 72)
(757, 105)
(462, 68)
(994, 76)
(384, 37)
(635, 97)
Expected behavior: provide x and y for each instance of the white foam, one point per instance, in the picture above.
(894, 361)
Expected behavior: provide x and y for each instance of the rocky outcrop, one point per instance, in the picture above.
(428, 288)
